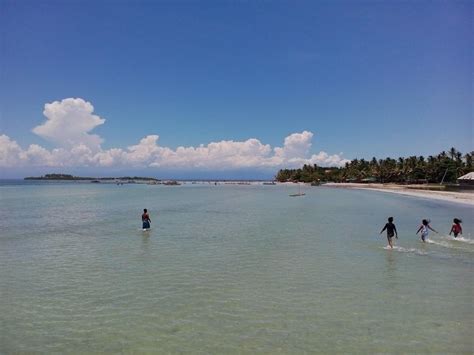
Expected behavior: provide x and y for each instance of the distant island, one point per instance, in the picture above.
(446, 167)
(81, 178)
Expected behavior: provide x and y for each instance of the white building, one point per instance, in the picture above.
(467, 179)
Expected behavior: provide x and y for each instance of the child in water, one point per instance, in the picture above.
(424, 228)
(146, 219)
(391, 231)
(456, 228)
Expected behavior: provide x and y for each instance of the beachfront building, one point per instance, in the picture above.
(467, 180)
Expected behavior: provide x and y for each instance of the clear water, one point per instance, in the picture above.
(229, 269)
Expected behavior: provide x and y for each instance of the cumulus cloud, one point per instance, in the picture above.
(216, 155)
(9, 151)
(324, 159)
(70, 121)
(296, 145)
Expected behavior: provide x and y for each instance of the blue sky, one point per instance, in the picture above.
(365, 78)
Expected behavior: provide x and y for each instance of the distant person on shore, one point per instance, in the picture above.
(146, 219)
(391, 231)
(424, 228)
(456, 229)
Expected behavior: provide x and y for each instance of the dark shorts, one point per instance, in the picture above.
(146, 225)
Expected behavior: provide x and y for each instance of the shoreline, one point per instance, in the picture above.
(465, 198)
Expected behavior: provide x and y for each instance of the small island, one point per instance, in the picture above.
(67, 177)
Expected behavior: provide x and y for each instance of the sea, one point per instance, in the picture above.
(230, 269)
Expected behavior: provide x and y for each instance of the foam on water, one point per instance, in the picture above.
(441, 243)
(450, 242)
(460, 239)
(406, 250)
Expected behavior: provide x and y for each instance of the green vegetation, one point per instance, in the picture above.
(79, 178)
(55, 177)
(414, 169)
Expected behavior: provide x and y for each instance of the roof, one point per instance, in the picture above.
(468, 176)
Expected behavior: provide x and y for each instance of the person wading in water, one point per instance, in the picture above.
(391, 231)
(146, 220)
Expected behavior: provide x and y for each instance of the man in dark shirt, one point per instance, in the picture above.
(391, 231)
(146, 220)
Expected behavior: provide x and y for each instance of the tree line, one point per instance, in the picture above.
(74, 178)
(445, 167)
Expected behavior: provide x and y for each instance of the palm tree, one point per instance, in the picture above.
(452, 153)
(431, 168)
(413, 168)
(468, 158)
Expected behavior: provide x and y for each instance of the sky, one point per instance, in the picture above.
(230, 88)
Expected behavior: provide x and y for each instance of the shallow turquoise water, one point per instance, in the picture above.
(229, 269)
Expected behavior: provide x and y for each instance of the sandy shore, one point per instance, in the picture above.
(457, 197)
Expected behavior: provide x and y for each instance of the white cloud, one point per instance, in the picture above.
(9, 151)
(296, 145)
(109, 158)
(144, 152)
(70, 122)
(37, 155)
(216, 155)
(324, 159)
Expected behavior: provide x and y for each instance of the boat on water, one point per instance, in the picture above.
(299, 192)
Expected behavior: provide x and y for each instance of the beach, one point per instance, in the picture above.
(464, 197)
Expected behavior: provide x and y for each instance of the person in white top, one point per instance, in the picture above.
(424, 228)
